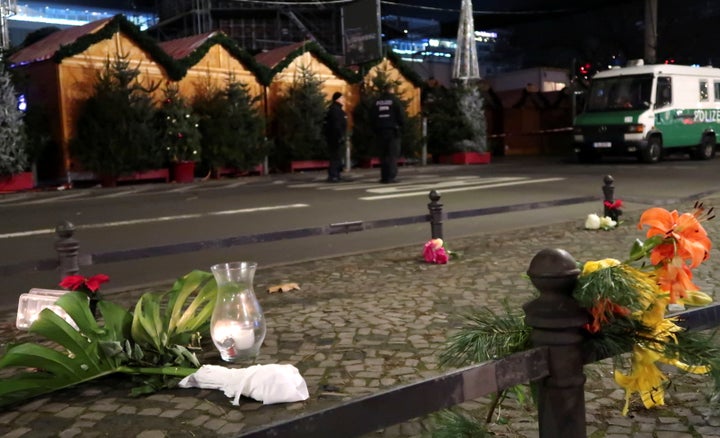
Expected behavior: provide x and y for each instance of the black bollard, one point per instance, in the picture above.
(67, 248)
(557, 320)
(436, 215)
(609, 198)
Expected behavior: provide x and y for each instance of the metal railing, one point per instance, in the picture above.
(555, 364)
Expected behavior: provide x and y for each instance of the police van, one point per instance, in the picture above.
(648, 111)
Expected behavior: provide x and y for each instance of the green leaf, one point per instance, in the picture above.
(80, 358)
(147, 322)
(636, 251)
(151, 327)
(125, 342)
(641, 249)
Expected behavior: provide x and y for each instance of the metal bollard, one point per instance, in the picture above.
(609, 194)
(557, 320)
(67, 248)
(436, 215)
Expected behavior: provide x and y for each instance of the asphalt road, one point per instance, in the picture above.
(510, 193)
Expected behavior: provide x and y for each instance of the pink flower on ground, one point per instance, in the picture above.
(433, 252)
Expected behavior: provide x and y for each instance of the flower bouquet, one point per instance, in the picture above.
(434, 251)
(627, 302)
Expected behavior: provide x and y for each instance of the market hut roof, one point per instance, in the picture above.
(279, 58)
(399, 64)
(190, 50)
(69, 42)
(46, 48)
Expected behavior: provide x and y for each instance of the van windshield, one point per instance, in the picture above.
(620, 93)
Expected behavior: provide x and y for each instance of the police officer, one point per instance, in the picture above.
(388, 118)
(335, 130)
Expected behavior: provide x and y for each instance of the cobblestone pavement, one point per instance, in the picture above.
(366, 322)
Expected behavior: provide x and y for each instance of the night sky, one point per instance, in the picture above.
(554, 32)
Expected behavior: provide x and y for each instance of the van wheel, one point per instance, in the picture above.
(653, 151)
(706, 149)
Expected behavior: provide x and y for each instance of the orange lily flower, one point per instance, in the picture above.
(689, 238)
(602, 312)
(675, 278)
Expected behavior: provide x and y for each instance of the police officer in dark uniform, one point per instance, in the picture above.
(335, 131)
(389, 118)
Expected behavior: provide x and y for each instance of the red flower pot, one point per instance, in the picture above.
(466, 158)
(184, 171)
(16, 182)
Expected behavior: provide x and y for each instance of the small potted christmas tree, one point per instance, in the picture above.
(14, 174)
(179, 132)
(456, 125)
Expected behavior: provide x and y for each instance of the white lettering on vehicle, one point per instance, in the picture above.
(705, 116)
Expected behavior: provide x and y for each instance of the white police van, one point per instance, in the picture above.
(650, 110)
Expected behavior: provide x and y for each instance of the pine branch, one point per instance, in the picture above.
(486, 335)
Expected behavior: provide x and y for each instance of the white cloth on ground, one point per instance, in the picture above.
(269, 384)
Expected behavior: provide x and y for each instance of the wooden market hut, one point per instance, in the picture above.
(210, 60)
(409, 86)
(58, 73)
(536, 123)
(286, 62)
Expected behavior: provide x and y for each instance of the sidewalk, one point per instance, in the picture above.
(368, 322)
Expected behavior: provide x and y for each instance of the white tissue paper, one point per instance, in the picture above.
(269, 384)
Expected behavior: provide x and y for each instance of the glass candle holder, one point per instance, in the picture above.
(237, 325)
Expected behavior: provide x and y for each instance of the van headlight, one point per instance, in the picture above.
(636, 128)
(578, 134)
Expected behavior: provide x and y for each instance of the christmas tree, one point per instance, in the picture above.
(298, 121)
(116, 132)
(233, 130)
(13, 157)
(178, 127)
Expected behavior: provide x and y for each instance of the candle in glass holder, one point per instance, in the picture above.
(231, 334)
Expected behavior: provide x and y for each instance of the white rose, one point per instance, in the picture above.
(607, 223)
(592, 222)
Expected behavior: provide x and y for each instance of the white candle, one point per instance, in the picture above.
(241, 337)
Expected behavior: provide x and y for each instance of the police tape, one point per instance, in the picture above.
(540, 132)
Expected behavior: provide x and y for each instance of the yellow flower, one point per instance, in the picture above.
(645, 379)
(590, 267)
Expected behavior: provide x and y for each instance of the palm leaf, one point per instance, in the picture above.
(147, 322)
(189, 318)
(80, 358)
(93, 350)
(161, 330)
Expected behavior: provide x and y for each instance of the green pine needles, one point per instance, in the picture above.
(486, 335)
(13, 154)
(116, 132)
(298, 121)
(178, 127)
(232, 127)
